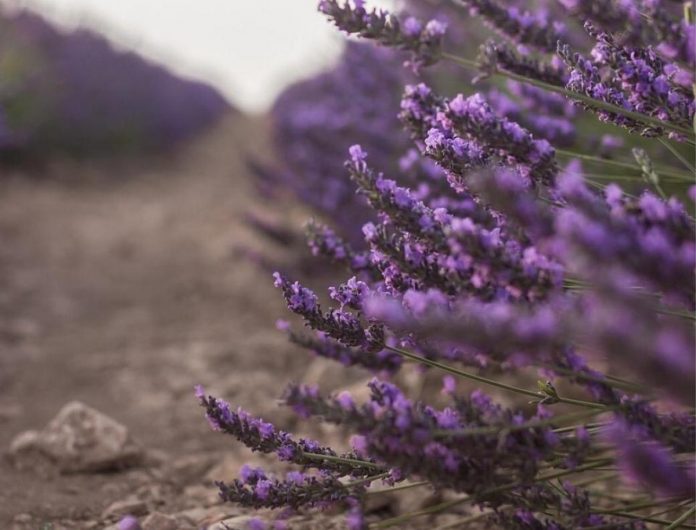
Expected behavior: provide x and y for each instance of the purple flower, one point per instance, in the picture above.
(256, 524)
(129, 523)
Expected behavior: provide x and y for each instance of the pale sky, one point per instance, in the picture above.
(249, 49)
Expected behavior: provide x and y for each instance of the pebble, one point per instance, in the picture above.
(125, 507)
(160, 521)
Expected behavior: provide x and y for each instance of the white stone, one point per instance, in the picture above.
(79, 439)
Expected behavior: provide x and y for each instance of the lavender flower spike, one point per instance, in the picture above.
(257, 490)
(424, 41)
(261, 436)
(338, 324)
(534, 29)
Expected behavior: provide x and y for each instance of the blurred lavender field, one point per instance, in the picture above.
(73, 92)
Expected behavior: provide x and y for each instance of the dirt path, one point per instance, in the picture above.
(123, 293)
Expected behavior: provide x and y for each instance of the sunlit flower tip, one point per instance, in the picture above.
(129, 522)
(357, 153)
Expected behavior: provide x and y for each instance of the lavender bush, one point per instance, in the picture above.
(356, 102)
(73, 92)
(553, 239)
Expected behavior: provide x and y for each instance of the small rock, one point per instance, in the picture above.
(415, 499)
(160, 521)
(125, 507)
(194, 515)
(22, 518)
(240, 522)
(378, 503)
(24, 441)
(79, 439)
(318, 522)
(215, 515)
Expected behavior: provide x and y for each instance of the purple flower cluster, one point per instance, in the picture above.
(437, 249)
(489, 256)
(546, 115)
(636, 79)
(642, 23)
(500, 57)
(423, 40)
(257, 490)
(419, 440)
(531, 28)
(465, 132)
(341, 325)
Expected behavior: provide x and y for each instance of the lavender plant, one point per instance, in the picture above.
(510, 262)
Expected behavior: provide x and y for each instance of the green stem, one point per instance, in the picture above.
(342, 460)
(593, 480)
(455, 371)
(607, 380)
(573, 427)
(367, 480)
(678, 155)
(683, 517)
(606, 176)
(633, 507)
(400, 488)
(617, 163)
(646, 519)
(574, 95)
(476, 431)
(500, 489)
(485, 380)
(680, 314)
(670, 509)
(577, 287)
